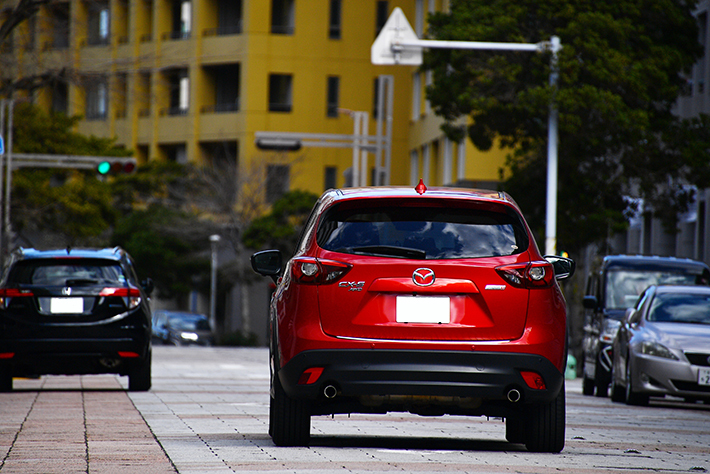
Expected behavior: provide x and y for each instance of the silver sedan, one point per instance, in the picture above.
(663, 346)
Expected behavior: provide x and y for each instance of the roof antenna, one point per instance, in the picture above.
(421, 187)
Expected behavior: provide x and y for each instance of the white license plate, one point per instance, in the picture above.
(704, 376)
(423, 309)
(66, 305)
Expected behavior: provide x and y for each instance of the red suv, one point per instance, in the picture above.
(425, 301)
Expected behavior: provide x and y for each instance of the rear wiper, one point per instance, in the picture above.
(80, 281)
(390, 251)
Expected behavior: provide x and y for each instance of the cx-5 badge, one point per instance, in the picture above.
(423, 277)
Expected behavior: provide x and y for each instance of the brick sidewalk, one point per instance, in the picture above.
(75, 425)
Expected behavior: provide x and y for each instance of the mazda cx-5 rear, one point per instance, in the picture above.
(428, 301)
(74, 311)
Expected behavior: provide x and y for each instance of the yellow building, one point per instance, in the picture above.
(194, 80)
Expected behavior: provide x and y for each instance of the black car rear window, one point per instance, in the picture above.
(66, 272)
(431, 230)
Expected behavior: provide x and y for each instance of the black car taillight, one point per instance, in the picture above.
(528, 275)
(131, 296)
(6, 295)
(316, 271)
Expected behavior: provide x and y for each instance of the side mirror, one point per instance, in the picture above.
(148, 286)
(589, 302)
(564, 267)
(267, 263)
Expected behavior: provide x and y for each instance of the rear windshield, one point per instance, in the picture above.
(66, 272)
(440, 230)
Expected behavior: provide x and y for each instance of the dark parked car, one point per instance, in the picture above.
(425, 301)
(611, 289)
(74, 311)
(663, 346)
(181, 328)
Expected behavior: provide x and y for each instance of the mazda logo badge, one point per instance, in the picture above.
(423, 277)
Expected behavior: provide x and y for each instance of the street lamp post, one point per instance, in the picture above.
(214, 240)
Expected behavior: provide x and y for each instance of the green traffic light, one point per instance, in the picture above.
(104, 167)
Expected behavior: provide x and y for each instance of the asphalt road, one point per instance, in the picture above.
(208, 413)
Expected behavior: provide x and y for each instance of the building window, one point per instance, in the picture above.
(280, 96)
(226, 88)
(382, 14)
(229, 17)
(182, 20)
(277, 182)
(58, 26)
(60, 97)
(335, 23)
(333, 96)
(96, 98)
(283, 17)
(179, 90)
(331, 175)
(99, 25)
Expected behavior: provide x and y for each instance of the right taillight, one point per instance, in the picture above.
(314, 271)
(6, 295)
(528, 275)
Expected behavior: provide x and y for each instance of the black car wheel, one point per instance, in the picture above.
(545, 427)
(587, 386)
(291, 424)
(632, 397)
(139, 380)
(515, 429)
(5, 380)
(617, 391)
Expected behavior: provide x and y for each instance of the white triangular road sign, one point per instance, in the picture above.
(395, 30)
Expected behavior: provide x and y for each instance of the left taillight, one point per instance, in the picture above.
(315, 271)
(528, 275)
(6, 295)
(130, 295)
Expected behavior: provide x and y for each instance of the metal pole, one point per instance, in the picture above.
(388, 146)
(551, 212)
(356, 149)
(365, 117)
(380, 114)
(8, 173)
(2, 180)
(214, 240)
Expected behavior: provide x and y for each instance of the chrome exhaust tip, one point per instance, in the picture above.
(330, 391)
(514, 395)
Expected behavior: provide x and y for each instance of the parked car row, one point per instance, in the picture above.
(647, 329)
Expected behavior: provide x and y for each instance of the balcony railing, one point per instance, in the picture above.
(220, 108)
(226, 30)
(176, 35)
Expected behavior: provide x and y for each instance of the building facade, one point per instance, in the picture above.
(194, 80)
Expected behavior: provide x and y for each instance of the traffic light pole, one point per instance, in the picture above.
(10, 161)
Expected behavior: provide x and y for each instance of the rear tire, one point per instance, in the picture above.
(633, 397)
(290, 420)
(587, 386)
(515, 429)
(5, 380)
(139, 379)
(545, 427)
(617, 391)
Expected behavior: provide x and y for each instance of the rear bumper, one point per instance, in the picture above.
(488, 376)
(73, 356)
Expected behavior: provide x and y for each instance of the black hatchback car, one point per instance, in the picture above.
(70, 312)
